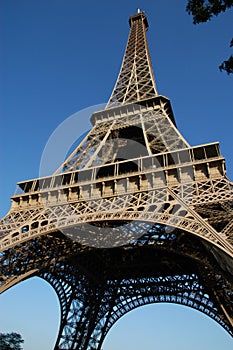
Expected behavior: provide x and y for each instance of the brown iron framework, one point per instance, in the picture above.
(134, 216)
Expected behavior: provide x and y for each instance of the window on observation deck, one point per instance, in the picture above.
(212, 151)
(45, 183)
(199, 153)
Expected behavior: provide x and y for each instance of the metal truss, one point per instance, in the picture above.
(135, 215)
(123, 279)
(135, 81)
(151, 126)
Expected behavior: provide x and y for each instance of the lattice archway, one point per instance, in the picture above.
(191, 296)
(95, 291)
(187, 292)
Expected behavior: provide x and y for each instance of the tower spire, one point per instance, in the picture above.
(136, 79)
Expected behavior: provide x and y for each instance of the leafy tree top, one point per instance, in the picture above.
(203, 11)
(10, 341)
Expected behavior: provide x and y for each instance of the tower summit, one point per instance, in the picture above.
(135, 82)
(134, 216)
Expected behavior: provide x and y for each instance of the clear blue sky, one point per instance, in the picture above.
(60, 56)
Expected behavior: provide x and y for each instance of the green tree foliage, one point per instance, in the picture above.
(10, 341)
(203, 11)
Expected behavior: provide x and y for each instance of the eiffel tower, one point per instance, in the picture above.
(134, 215)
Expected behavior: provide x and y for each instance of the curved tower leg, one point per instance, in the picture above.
(98, 290)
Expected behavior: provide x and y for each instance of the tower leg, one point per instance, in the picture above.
(92, 303)
(83, 306)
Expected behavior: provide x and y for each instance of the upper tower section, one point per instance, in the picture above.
(136, 79)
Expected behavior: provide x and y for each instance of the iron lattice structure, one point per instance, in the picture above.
(135, 215)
